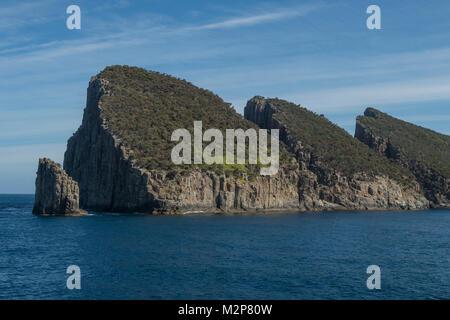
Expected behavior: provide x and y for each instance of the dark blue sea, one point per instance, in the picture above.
(199, 256)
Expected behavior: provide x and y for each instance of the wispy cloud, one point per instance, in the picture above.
(259, 18)
(132, 36)
(424, 118)
(62, 48)
(139, 32)
(308, 68)
(25, 13)
(344, 99)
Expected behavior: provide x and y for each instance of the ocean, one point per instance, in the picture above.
(203, 256)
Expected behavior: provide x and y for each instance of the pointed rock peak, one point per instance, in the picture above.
(373, 113)
(56, 192)
(257, 99)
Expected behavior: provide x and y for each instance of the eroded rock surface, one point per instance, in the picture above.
(56, 192)
(422, 151)
(111, 177)
(322, 186)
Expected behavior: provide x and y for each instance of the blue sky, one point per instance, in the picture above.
(319, 54)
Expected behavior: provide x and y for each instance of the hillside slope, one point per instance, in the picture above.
(424, 152)
(121, 154)
(147, 106)
(341, 166)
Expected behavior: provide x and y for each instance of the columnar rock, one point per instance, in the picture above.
(336, 170)
(56, 192)
(424, 152)
(113, 156)
(121, 154)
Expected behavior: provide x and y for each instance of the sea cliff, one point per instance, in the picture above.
(119, 158)
(422, 151)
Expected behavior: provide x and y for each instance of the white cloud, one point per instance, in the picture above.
(344, 99)
(256, 19)
(423, 118)
(25, 13)
(139, 33)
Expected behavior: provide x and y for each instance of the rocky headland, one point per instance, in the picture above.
(422, 151)
(119, 158)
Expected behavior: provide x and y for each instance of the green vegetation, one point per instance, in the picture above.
(413, 143)
(146, 107)
(334, 146)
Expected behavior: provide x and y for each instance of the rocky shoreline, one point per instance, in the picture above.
(99, 174)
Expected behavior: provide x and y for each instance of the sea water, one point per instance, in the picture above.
(205, 256)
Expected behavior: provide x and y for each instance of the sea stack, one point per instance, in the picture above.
(56, 192)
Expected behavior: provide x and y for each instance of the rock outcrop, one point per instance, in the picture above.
(110, 180)
(422, 151)
(322, 185)
(98, 161)
(119, 156)
(56, 192)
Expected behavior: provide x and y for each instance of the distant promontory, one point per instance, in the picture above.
(119, 158)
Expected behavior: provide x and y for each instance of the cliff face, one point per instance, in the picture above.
(120, 155)
(98, 161)
(424, 152)
(379, 144)
(110, 180)
(56, 192)
(322, 185)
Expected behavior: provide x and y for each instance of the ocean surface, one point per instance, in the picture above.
(199, 256)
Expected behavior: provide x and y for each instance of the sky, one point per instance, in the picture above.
(319, 54)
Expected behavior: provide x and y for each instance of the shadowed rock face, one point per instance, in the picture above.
(424, 152)
(56, 192)
(98, 161)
